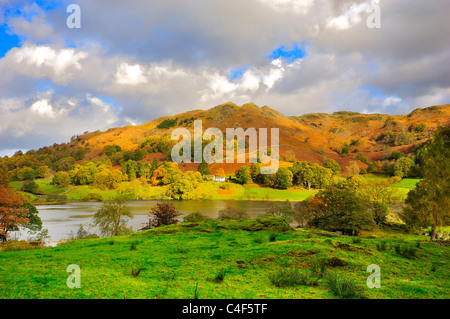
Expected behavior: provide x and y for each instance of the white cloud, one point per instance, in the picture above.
(130, 74)
(297, 6)
(391, 101)
(43, 108)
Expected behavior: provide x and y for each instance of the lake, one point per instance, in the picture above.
(61, 219)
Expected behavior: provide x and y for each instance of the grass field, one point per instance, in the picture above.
(207, 190)
(224, 259)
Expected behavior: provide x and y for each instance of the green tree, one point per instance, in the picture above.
(61, 179)
(64, 164)
(167, 173)
(26, 173)
(30, 186)
(344, 210)
(203, 168)
(43, 171)
(243, 175)
(284, 178)
(183, 189)
(111, 219)
(130, 168)
(428, 205)
(255, 172)
(333, 165)
(108, 179)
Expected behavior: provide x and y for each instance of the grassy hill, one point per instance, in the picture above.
(229, 259)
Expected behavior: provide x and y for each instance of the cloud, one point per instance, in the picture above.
(130, 74)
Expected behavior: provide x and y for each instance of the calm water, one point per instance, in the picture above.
(60, 220)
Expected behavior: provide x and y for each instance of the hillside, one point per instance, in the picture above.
(309, 137)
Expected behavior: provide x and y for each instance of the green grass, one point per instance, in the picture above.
(184, 261)
(207, 190)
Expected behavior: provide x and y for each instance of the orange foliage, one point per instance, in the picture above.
(12, 211)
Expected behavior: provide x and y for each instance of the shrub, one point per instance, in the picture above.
(342, 287)
(136, 270)
(220, 276)
(318, 268)
(335, 262)
(133, 246)
(56, 198)
(381, 246)
(30, 186)
(92, 197)
(166, 124)
(196, 217)
(258, 240)
(406, 251)
(272, 237)
(162, 214)
(233, 213)
(288, 277)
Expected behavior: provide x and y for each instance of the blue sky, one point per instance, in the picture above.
(7, 40)
(290, 55)
(132, 62)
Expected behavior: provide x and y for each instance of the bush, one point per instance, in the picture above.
(56, 198)
(233, 213)
(335, 262)
(272, 237)
(196, 217)
(342, 287)
(258, 240)
(136, 270)
(166, 124)
(92, 197)
(381, 246)
(318, 268)
(30, 186)
(220, 276)
(162, 214)
(288, 277)
(406, 251)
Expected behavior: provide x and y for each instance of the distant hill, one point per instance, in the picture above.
(309, 137)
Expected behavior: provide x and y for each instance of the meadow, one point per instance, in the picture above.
(139, 190)
(251, 259)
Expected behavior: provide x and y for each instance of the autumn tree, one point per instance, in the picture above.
(15, 211)
(61, 179)
(162, 214)
(182, 189)
(165, 174)
(12, 212)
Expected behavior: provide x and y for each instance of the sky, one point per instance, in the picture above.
(133, 61)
